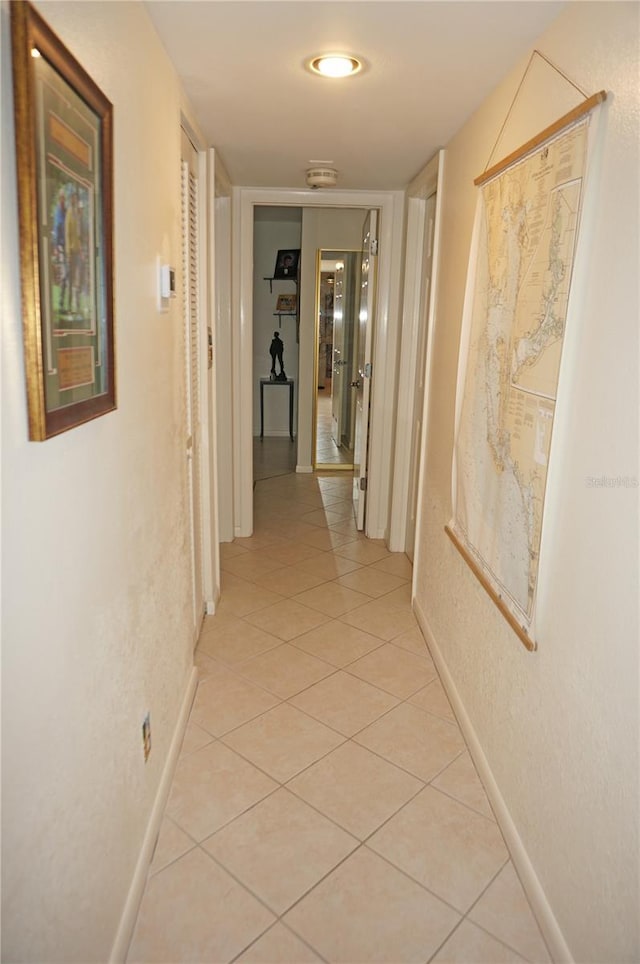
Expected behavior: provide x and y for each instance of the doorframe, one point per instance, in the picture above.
(391, 207)
(426, 183)
(218, 379)
(324, 466)
(208, 492)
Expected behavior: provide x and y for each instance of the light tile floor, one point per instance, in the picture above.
(327, 452)
(324, 806)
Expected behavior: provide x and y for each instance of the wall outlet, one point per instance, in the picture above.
(146, 736)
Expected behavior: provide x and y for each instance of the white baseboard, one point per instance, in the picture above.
(210, 606)
(132, 905)
(379, 534)
(540, 906)
(304, 468)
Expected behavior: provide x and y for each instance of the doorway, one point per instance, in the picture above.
(336, 343)
(421, 247)
(276, 235)
(191, 310)
(391, 207)
(428, 217)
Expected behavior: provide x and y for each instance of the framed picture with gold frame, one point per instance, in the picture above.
(64, 135)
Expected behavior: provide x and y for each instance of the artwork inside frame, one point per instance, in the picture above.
(287, 263)
(64, 152)
(287, 304)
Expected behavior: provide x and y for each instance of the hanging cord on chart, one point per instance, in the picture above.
(536, 53)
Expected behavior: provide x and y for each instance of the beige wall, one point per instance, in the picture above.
(96, 602)
(559, 728)
(96, 608)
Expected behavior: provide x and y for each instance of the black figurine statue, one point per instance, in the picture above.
(276, 350)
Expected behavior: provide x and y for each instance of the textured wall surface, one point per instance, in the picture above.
(559, 727)
(97, 626)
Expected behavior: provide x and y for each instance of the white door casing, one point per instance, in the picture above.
(338, 372)
(424, 185)
(222, 332)
(391, 207)
(190, 255)
(199, 277)
(362, 384)
(420, 373)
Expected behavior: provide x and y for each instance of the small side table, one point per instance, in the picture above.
(267, 381)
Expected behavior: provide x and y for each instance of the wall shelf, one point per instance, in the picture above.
(272, 279)
(287, 314)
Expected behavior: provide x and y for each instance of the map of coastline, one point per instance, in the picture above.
(527, 236)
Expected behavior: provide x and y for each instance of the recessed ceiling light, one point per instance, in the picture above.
(335, 65)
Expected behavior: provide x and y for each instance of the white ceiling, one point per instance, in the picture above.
(430, 64)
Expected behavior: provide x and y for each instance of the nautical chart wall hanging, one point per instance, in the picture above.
(516, 303)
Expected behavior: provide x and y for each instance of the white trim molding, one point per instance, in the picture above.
(390, 205)
(136, 890)
(425, 184)
(220, 314)
(540, 906)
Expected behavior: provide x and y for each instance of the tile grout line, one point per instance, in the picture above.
(345, 740)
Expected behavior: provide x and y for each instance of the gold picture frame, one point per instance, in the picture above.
(64, 154)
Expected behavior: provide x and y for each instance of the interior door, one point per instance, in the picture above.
(338, 377)
(190, 243)
(420, 375)
(361, 385)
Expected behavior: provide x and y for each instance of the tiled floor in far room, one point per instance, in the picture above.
(324, 806)
(327, 452)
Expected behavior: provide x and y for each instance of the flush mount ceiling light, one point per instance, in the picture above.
(335, 65)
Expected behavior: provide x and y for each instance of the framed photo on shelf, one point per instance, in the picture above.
(64, 128)
(287, 264)
(286, 303)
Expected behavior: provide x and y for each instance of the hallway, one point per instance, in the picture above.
(324, 806)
